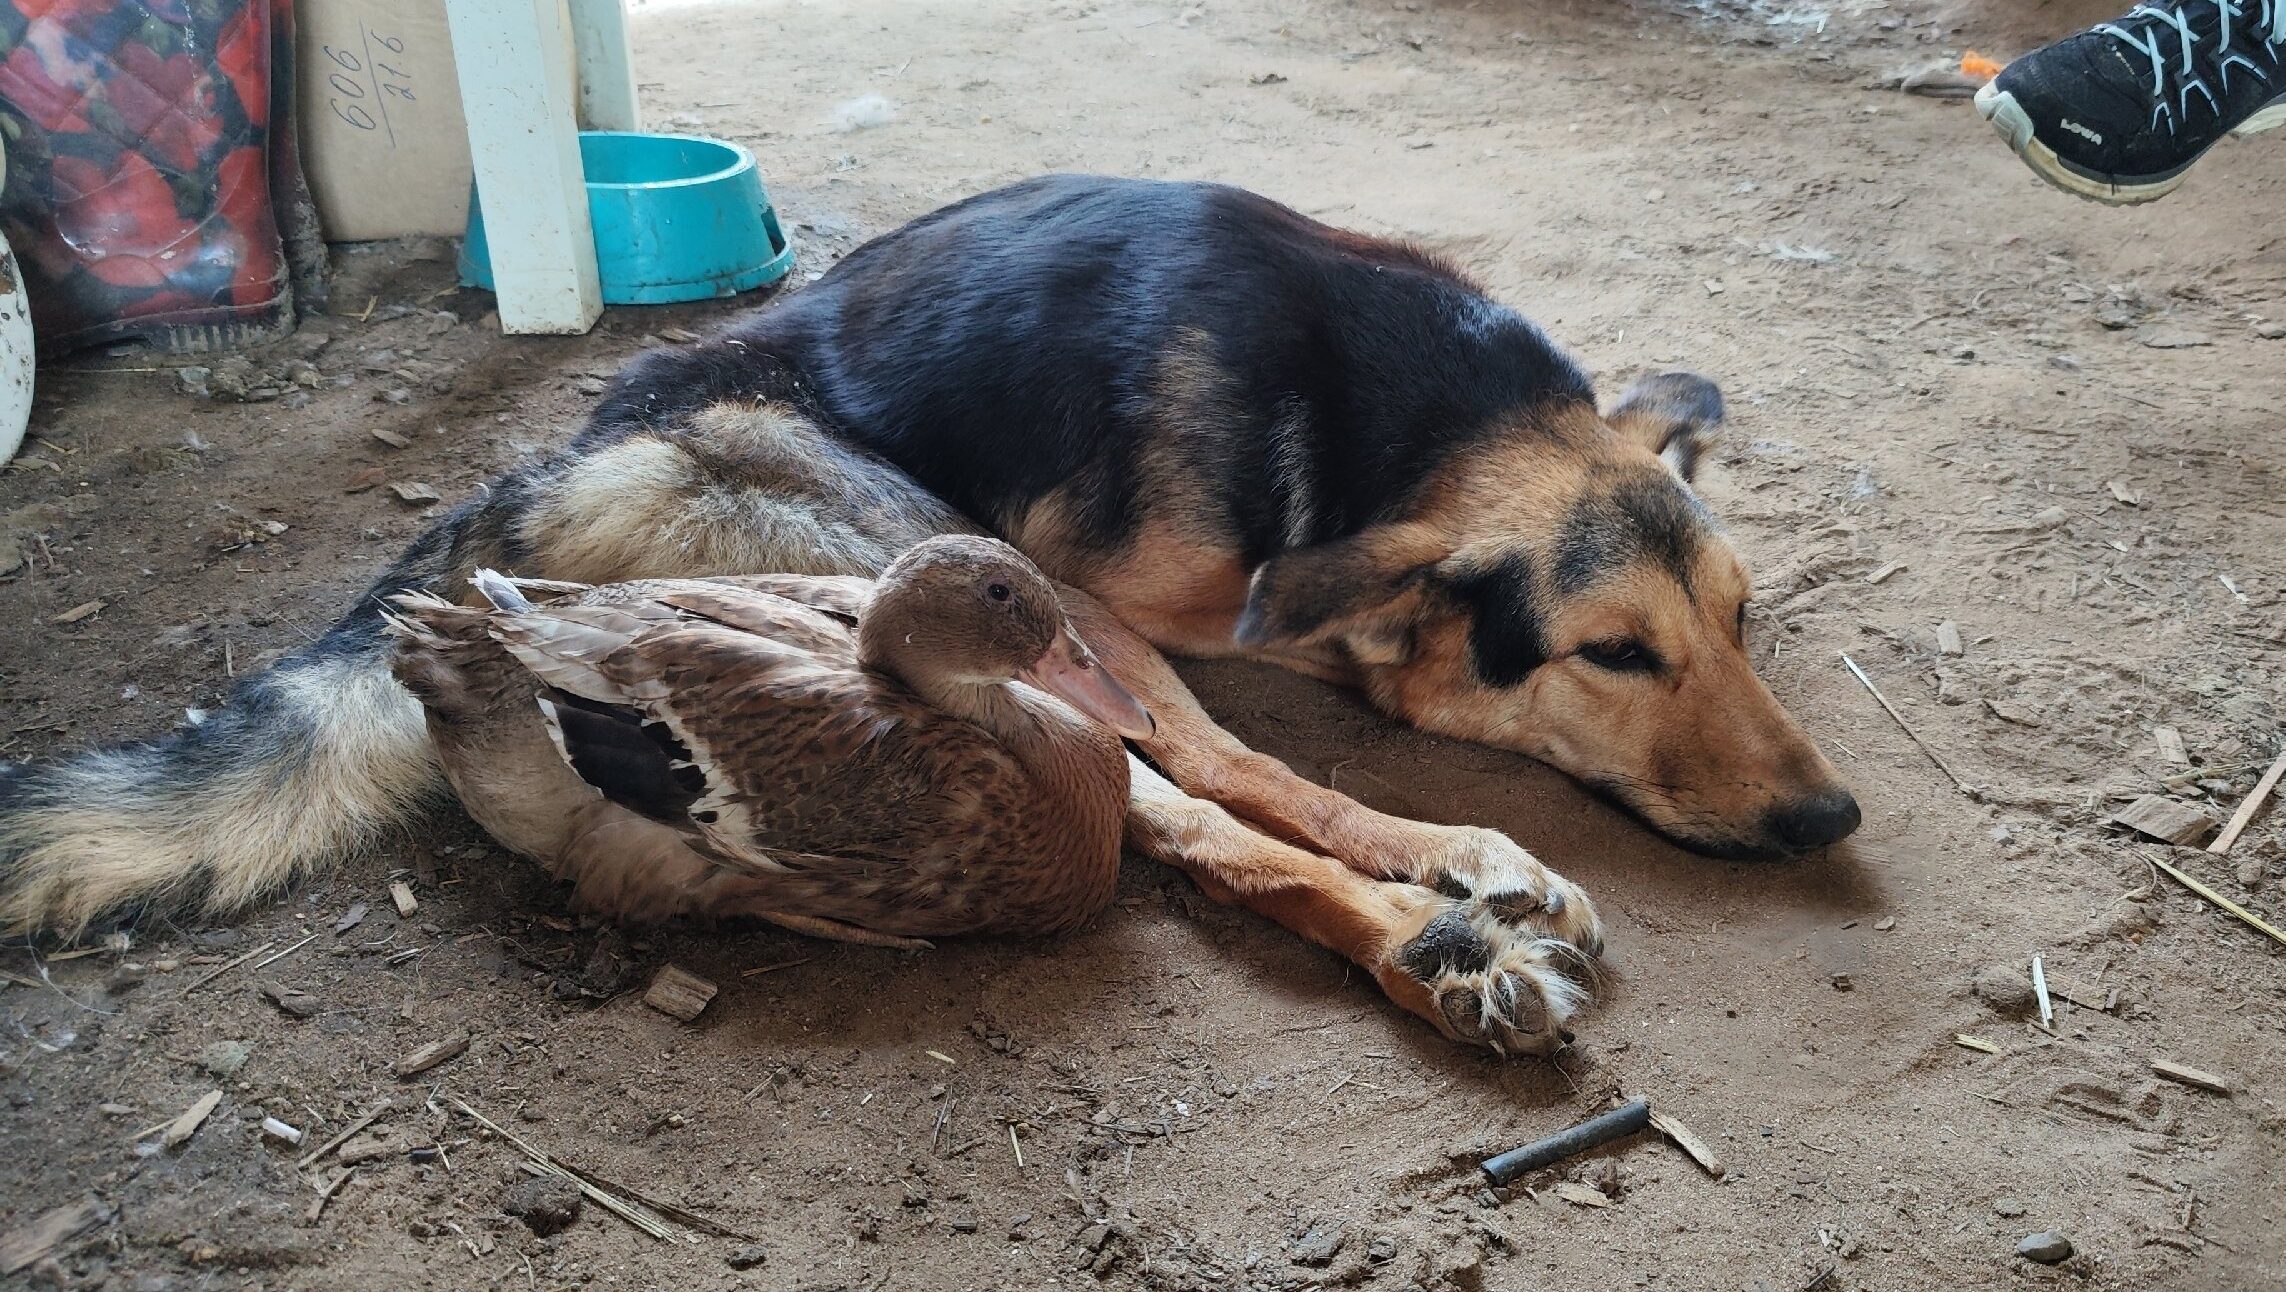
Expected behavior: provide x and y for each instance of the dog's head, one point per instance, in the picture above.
(1564, 593)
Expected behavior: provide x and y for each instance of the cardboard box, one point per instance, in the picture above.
(383, 140)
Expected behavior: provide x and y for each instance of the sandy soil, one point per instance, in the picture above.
(1934, 364)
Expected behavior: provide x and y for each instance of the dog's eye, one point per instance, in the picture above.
(998, 591)
(1620, 655)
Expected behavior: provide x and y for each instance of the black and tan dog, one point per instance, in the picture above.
(1244, 433)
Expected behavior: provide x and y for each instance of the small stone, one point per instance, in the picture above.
(1843, 982)
(2045, 1247)
(747, 1257)
(2164, 336)
(397, 395)
(1323, 1242)
(591, 386)
(1885, 923)
(2270, 331)
(368, 1148)
(1382, 1250)
(962, 1224)
(547, 1204)
(2006, 988)
(224, 1058)
(2009, 1207)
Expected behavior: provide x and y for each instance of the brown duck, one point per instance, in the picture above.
(879, 761)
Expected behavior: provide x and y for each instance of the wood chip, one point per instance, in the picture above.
(182, 1128)
(2040, 994)
(1885, 923)
(350, 918)
(2166, 820)
(78, 612)
(682, 335)
(401, 893)
(2252, 804)
(45, 1234)
(1883, 574)
(2190, 1076)
(292, 1000)
(1977, 1043)
(1672, 1127)
(2120, 491)
(679, 993)
(2171, 750)
(391, 438)
(432, 1054)
(1579, 1195)
(413, 491)
(1949, 639)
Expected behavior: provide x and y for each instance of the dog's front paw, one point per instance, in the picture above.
(1483, 980)
(1489, 870)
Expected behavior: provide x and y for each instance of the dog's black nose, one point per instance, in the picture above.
(1816, 821)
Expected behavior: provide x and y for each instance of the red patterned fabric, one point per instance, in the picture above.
(144, 140)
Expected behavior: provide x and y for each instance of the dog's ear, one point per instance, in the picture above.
(1673, 414)
(1363, 591)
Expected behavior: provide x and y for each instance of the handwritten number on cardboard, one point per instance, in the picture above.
(381, 80)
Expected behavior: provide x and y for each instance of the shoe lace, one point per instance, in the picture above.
(2149, 28)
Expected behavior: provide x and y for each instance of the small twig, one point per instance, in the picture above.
(1014, 1143)
(944, 1118)
(2247, 807)
(1910, 734)
(763, 969)
(315, 1155)
(288, 951)
(640, 1217)
(326, 1191)
(228, 967)
(2220, 900)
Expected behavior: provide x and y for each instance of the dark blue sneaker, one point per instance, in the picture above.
(2120, 111)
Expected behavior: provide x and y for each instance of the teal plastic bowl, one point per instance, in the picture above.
(677, 218)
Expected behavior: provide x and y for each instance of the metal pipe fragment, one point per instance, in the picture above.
(1620, 1122)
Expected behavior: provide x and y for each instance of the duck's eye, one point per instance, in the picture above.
(998, 592)
(1620, 655)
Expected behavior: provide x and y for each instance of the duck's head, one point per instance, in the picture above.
(958, 612)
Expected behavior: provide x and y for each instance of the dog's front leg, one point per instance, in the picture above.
(1484, 868)
(1475, 977)
(1489, 971)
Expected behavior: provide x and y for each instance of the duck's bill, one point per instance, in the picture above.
(1071, 673)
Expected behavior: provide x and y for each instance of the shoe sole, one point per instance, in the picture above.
(2014, 124)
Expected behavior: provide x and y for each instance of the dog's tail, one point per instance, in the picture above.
(309, 759)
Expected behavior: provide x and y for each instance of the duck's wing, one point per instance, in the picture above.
(844, 597)
(762, 738)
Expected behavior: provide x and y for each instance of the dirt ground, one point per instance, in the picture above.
(2052, 424)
